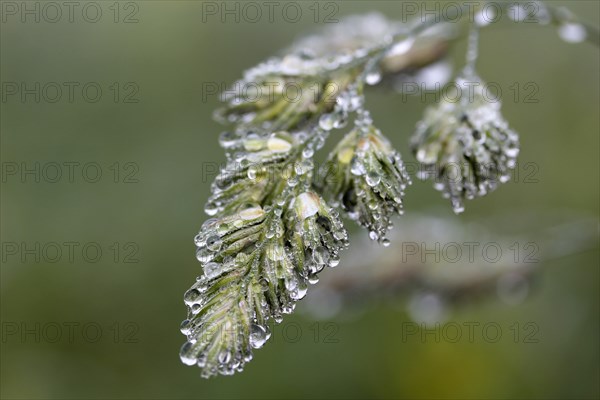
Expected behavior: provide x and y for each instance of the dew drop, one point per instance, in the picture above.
(572, 32)
(334, 261)
(186, 327)
(213, 243)
(327, 121)
(211, 269)
(258, 336)
(211, 209)
(308, 152)
(357, 167)
(185, 355)
(252, 171)
(303, 167)
(291, 284)
(191, 296)
(227, 139)
(373, 77)
(300, 292)
(224, 357)
(373, 178)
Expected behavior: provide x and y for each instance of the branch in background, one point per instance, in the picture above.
(437, 263)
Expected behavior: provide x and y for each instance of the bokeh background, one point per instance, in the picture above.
(157, 156)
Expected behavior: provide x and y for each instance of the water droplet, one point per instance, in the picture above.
(275, 252)
(264, 284)
(303, 167)
(186, 327)
(373, 178)
(321, 256)
(340, 119)
(402, 47)
(185, 354)
(223, 229)
(258, 336)
(213, 243)
(357, 167)
(211, 209)
(191, 296)
(572, 32)
(252, 171)
(211, 269)
(327, 121)
(227, 139)
(313, 279)
(291, 284)
(373, 235)
(224, 357)
(373, 77)
(334, 261)
(385, 242)
(308, 152)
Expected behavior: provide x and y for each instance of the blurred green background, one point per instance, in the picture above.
(157, 157)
